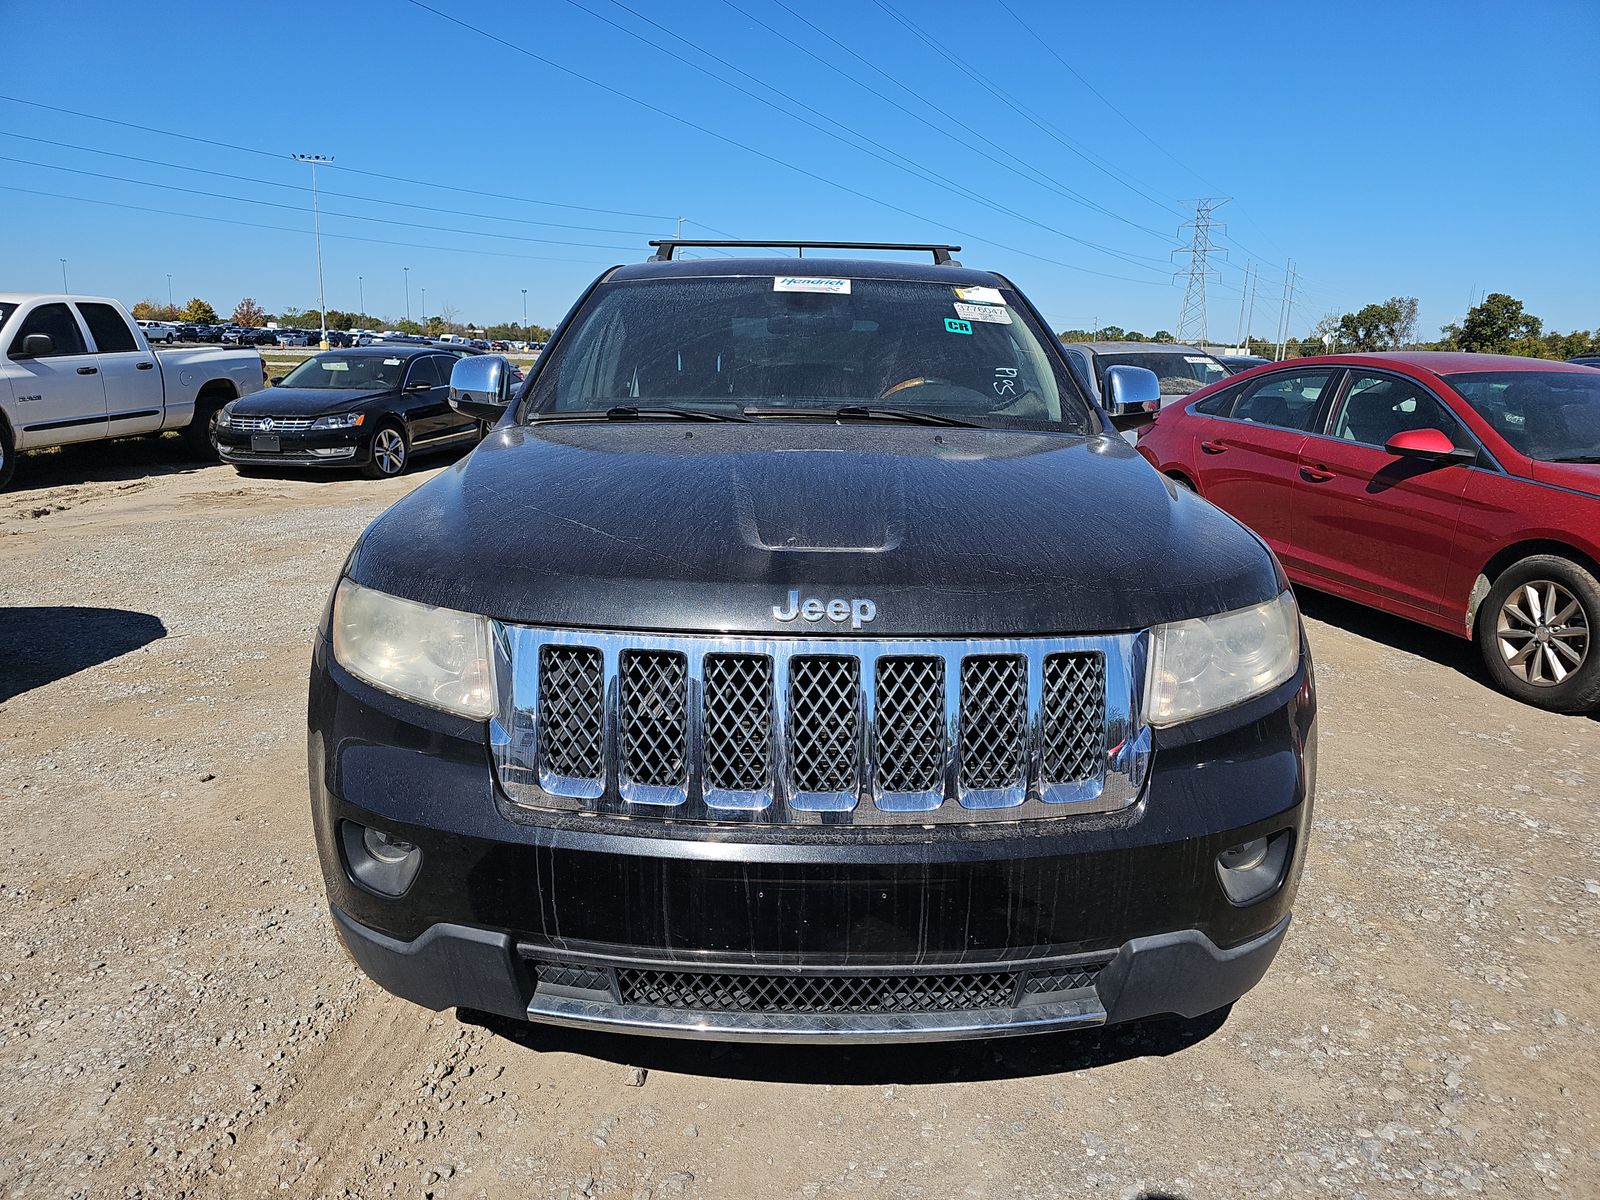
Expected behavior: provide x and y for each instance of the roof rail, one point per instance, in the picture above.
(664, 248)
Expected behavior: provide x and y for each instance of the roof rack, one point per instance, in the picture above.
(665, 247)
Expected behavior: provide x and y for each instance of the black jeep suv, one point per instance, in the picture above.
(803, 657)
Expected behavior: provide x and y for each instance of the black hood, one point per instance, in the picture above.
(705, 527)
(305, 402)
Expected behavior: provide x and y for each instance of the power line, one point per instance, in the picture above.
(345, 237)
(749, 149)
(272, 154)
(1192, 315)
(889, 156)
(295, 187)
(172, 187)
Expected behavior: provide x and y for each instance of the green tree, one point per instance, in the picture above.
(199, 312)
(249, 314)
(1161, 335)
(1493, 326)
(1374, 327)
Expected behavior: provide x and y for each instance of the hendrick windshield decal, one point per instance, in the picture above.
(810, 283)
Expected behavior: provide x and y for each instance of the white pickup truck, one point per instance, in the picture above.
(77, 369)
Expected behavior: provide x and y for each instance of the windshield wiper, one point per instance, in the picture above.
(631, 412)
(860, 412)
(1577, 458)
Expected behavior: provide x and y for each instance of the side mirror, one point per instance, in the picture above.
(420, 385)
(480, 387)
(1131, 392)
(276, 380)
(37, 345)
(1431, 444)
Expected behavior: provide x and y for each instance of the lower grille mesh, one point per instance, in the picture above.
(816, 993)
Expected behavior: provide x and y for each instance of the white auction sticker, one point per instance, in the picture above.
(983, 312)
(810, 283)
(1196, 360)
(980, 295)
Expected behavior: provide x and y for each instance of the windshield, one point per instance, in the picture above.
(367, 371)
(728, 344)
(1180, 372)
(1548, 415)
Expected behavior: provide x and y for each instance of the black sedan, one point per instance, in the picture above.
(370, 406)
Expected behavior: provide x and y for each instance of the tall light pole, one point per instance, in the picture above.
(170, 304)
(361, 293)
(526, 332)
(424, 313)
(407, 270)
(64, 275)
(316, 220)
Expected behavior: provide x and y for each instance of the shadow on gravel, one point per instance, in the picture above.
(1395, 632)
(40, 645)
(932, 1062)
(104, 462)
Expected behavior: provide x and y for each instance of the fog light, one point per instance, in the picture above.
(379, 861)
(1240, 858)
(333, 451)
(392, 850)
(1253, 870)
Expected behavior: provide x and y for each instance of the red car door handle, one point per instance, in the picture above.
(1212, 447)
(1317, 474)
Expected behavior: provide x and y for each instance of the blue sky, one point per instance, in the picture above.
(1435, 149)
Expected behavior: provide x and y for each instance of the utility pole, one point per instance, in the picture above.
(679, 233)
(1244, 294)
(527, 333)
(316, 219)
(1192, 316)
(424, 313)
(1250, 321)
(1286, 309)
(407, 270)
(170, 304)
(361, 296)
(64, 275)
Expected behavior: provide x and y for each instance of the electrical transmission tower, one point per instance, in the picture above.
(1192, 316)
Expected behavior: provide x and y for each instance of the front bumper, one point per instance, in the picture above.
(609, 923)
(301, 448)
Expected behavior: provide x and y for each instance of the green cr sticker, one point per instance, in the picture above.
(951, 325)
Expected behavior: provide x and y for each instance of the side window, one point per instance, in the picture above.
(424, 370)
(1079, 361)
(1379, 406)
(110, 332)
(1221, 404)
(56, 322)
(1285, 401)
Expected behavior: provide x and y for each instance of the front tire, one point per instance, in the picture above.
(391, 453)
(8, 456)
(1535, 631)
(200, 434)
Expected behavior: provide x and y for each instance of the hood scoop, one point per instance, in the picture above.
(796, 502)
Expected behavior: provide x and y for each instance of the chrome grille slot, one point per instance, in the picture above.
(909, 726)
(994, 717)
(270, 424)
(738, 722)
(571, 712)
(1074, 734)
(824, 700)
(726, 729)
(654, 718)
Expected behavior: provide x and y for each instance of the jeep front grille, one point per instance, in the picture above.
(841, 731)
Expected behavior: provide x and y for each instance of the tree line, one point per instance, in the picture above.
(1500, 324)
(252, 316)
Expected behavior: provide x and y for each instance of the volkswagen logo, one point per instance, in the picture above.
(266, 422)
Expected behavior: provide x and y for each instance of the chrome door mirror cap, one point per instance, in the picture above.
(481, 386)
(1131, 392)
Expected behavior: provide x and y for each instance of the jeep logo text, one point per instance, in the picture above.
(858, 610)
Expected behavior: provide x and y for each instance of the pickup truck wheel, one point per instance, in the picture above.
(1535, 632)
(8, 456)
(390, 453)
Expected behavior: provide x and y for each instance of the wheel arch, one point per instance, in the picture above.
(1508, 556)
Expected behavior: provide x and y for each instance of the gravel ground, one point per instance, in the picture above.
(177, 1019)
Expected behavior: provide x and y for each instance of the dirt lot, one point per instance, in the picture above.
(176, 1017)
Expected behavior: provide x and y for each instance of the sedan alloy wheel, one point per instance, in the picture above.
(1543, 633)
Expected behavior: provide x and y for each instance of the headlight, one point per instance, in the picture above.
(339, 421)
(436, 656)
(1205, 665)
(222, 417)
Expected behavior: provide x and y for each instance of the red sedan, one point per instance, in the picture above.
(1458, 490)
